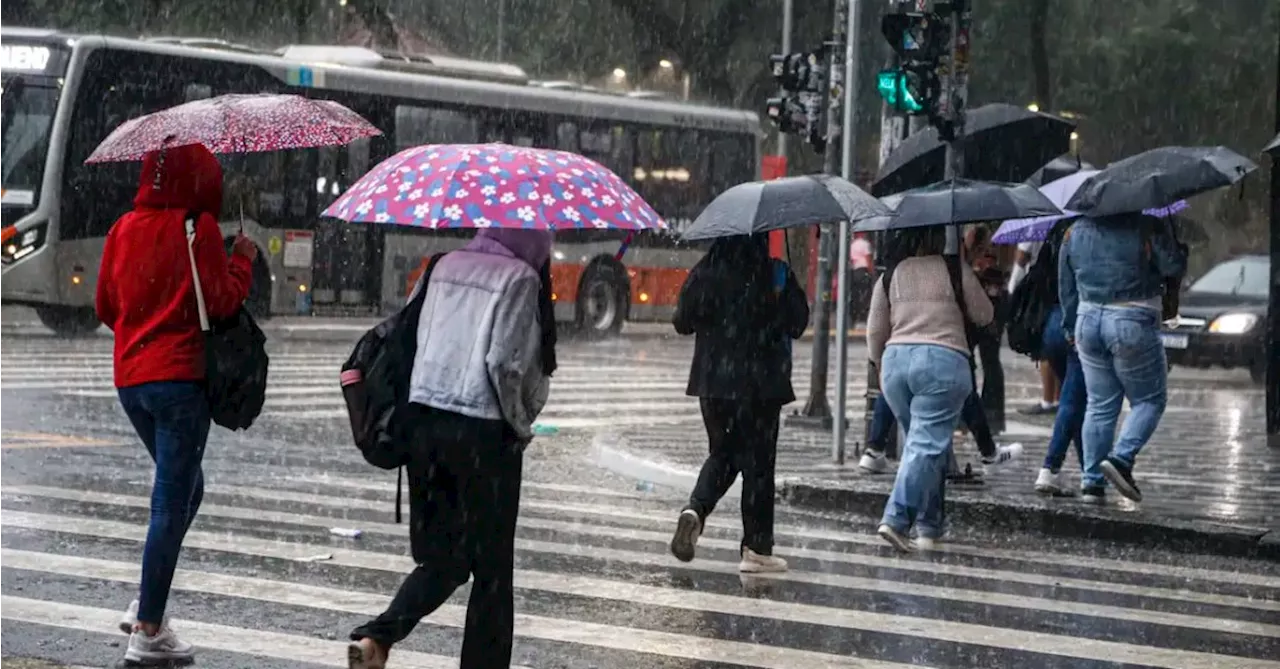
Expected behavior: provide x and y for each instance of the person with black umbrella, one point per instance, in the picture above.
(744, 310)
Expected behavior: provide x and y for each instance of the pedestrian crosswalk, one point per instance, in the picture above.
(262, 578)
(601, 385)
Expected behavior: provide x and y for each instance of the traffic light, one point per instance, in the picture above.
(801, 107)
(920, 41)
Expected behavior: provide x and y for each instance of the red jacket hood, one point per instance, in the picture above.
(183, 177)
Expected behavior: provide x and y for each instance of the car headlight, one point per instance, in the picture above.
(1233, 323)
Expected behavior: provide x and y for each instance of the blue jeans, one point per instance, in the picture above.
(172, 419)
(926, 386)
(1058, 354)
(972, 415)
(1121, 356)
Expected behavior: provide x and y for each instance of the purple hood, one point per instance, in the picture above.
(531, 246)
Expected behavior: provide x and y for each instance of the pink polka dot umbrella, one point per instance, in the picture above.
(236, 124)
(494, 185)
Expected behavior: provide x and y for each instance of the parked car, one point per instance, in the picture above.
(1222, 318)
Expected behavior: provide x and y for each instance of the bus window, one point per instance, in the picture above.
(611, 146)
(670, 171)
(567, 137)
(198, 92)
(425, 125)
(732, 162)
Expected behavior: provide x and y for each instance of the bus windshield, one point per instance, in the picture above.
(29, 107)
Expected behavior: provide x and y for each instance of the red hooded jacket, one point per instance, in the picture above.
(145, 293)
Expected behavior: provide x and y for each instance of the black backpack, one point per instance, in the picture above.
(1031, 302)
(375, 383)
(235, 356)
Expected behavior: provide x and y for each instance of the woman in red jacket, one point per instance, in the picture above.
(146, 296)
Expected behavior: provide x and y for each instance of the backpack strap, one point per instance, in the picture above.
(970, 338)
(413, 310)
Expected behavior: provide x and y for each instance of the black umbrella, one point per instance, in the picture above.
(761, 206)
(1158, 178)
(1002, 143)
(960, 201)
(1273, 147)
(1062, 166)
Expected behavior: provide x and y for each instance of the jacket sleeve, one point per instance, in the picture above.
(225, 281)
(979, 306)
(690, 305)
(795, 307)
(513, 357)
(1068, 297)
(104, 298)
(878, 323)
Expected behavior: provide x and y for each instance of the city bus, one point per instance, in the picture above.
(64, 93)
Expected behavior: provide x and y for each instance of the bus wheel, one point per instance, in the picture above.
(604, 299)
(69, 321)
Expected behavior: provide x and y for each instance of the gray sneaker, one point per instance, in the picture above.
(163, 648)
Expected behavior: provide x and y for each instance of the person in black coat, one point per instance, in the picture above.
(745, 309)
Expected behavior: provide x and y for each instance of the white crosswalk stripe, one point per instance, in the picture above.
(593, 578)
(595, 387)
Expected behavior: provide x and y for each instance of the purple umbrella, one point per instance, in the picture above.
(1018, 230)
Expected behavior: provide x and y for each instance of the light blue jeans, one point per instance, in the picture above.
(926, 386)
(1121, 356)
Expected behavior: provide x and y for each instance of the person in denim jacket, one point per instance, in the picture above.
(1111, 276)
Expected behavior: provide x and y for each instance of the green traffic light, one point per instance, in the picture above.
(892, 86)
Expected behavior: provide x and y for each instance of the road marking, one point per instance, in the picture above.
(658, 559)
(676, 645)
(563, 630)
(21, 440)
(207, 635)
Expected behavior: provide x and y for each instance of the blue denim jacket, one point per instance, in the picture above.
(1104, 262)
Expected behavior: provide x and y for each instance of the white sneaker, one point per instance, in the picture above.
(926, 543)
(685, 542)
(755, 563)
(130, 618)
(1049, 482)
(164, 647)
(1004, 455)
(895, 539)
(872, 462)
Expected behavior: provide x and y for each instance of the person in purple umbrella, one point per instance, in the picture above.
(485, 355)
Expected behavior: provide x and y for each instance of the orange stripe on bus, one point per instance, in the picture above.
(8, 233)
(650, 286)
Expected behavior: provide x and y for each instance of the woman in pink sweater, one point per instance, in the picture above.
(916, 337)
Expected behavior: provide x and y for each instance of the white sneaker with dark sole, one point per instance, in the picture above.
(1003, 456)
(685, 542)
(1049, 482)
(872, 462)
(898, 541)
(162, 649)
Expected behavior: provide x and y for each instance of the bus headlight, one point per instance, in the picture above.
(1233, 324)
(18, 245)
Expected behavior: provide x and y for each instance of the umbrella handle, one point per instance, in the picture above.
(626, 243)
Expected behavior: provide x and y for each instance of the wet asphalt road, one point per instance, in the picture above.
(264, 584)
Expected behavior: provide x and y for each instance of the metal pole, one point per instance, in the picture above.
(502, 21)
(848, 161)
(787, 12)
(1272, 351)
(817, 407)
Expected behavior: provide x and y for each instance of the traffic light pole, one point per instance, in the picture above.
(816, 409)
(848, 160)
(1272, 349)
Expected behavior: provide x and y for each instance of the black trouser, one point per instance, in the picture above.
(743, 437)
(989, 340)
(464, 494)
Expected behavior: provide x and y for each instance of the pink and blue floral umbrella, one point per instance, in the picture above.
(494, 185)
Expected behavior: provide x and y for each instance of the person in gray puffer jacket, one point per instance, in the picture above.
(485, 352)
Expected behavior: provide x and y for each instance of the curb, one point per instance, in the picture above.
(1175, 535)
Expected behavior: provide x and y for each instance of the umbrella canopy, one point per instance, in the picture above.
(1274, 146)
(493, 185)
(1059, 167)
(960, 201)
(1002, 143)
(236, 124)
(1158, 178)
(761, 206)
(1037, 229)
